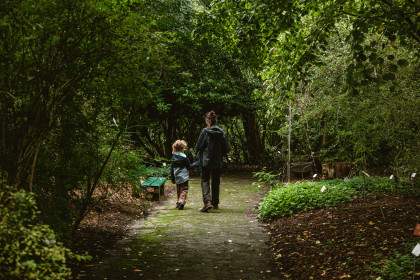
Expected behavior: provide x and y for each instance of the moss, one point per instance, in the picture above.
(172, 241)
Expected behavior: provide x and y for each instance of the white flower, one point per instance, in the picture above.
(49, 241)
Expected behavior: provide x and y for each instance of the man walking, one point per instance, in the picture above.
(212, 145)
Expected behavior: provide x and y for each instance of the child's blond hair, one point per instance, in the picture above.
(179, 146)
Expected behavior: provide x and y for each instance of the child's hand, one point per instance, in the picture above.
(173, 182)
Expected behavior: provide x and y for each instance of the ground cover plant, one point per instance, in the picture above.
(302, 196)
(293, 198)
(366, 235)
(29, 248)
(353, 241)
(398, 267)
(376, 185)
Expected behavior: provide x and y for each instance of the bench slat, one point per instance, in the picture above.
(148, 182)
(158, 182)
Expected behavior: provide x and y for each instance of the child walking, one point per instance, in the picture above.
(179, 172)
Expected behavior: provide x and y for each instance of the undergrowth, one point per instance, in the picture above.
(293, 198)
(401, 266)
(29, 249)
(302, 196)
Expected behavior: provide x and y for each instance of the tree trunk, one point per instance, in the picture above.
(264, 136)
(169, 136)
(91, 186)
(324, 133)
(288, 141)
(239, 145)
(253, 137)
(31, 176)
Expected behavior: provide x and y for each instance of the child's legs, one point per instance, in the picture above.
(183, 192)
(178, 192)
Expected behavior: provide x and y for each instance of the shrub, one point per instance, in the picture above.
(28, 249)
(163, 171)
(302, 196)
(373, 184)
(399, 267)
(266, 177)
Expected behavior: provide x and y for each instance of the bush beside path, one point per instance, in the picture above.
(187, 244)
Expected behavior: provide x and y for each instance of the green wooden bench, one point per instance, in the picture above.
(157, 184)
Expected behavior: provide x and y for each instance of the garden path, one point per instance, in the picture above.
(228, 243)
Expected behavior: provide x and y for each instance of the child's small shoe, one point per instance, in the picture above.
(177, 205)
(181, 206)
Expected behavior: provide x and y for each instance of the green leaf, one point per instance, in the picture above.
(31, 264)
(393, 68)
(361, 57)
(378, 61)
(373, 56)
(389, 77)
(368, 71)
(392, 37)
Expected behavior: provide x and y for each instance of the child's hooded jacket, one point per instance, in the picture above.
(179, 168)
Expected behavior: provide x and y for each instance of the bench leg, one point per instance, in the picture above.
(156, 194)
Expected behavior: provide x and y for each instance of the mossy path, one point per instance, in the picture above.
(187, 244)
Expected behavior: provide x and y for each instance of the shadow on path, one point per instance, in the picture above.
(188, 244)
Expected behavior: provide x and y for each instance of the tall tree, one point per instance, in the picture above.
(49, 51)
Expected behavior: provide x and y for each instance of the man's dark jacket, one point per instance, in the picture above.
(212, 145)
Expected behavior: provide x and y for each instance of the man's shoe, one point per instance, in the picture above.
(181, 206)
(207, 206)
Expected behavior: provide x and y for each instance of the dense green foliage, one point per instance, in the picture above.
(302, 196)
(349, 67)
(265, 177)
(163, 171)
(373, 184)
(293, 198)
(29, 249)
(92, 91)
(399, 267)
